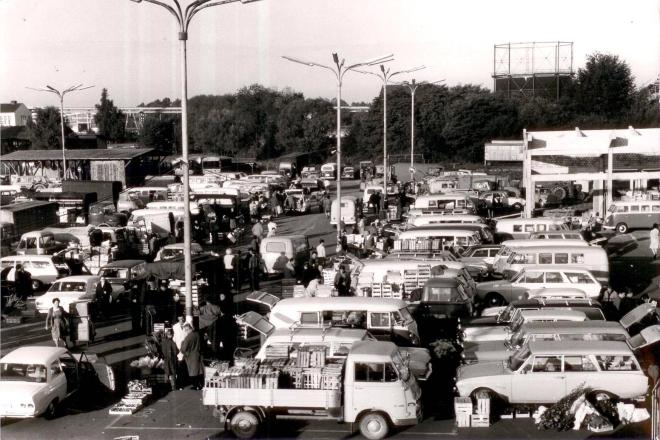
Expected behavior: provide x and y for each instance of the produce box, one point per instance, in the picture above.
(479, 421)
(122, 409)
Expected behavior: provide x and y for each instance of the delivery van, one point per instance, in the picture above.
(294, 247)
(349, 214)
(454, 203)
(516, 228)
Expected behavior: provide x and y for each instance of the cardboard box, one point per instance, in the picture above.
(463, 420)
(483, 404)
(479, 421)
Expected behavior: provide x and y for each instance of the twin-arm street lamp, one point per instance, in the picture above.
(385, 75)
(183, 17)
(412, 86)
(339, 70)
(60, 94)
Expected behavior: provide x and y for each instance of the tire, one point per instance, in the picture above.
(37, 285)
(603, 395)
(374, 426)
(517, 206)
(621, 228)
(51, 410)
(244, 424)
(494, 299)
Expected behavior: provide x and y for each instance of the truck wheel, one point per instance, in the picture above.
(622, 228)
(37, 285)
(244, 424)
(374, 426)
(51, 410)
(517, 206)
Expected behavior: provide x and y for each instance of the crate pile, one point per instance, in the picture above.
(469, 415)
(418, 245)
(412, 279)
(307, 368)
(139, 393)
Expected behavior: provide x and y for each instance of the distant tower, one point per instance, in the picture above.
(533, 69)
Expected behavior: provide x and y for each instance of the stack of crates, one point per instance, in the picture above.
(384, 290)
(463, 411)
(413, 279)
(481, 418)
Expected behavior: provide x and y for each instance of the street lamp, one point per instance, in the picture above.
(339, 70)
(412, 86)
(183, 18)
(385, 76)
(61, 94)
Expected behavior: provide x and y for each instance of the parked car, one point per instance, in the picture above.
(171, 251)
(123, 276)
(544, 372)
(501, 292)
(44, 269)
(68, 290)
(39, 243)
(36, 380)
(480, 256)
(349, 173)
(646, 346)
(304, 201)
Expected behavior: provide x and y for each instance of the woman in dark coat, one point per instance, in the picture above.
(57, 322)
(191, 348)
(169, 351)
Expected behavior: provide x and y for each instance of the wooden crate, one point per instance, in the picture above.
(463, 420)
(483, 404)
(479, 421)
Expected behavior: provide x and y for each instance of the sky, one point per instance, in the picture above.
(132, 48)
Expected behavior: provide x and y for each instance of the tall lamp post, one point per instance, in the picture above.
(412, 86)
(339, 70)
(60, 94)
(183, 18)
(385, 75)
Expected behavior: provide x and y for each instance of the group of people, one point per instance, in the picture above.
(181, 350)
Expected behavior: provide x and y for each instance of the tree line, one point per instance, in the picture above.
(451, 123)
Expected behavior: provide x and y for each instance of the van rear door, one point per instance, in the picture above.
(263, 298)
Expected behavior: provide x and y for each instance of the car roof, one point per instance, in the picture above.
(557, 267)
(78, 278)
(559, 313)
(452, 282)
(579, 347)
(34, 355)
(530, 220)
(376, 349)
(535, 302)
(354, 302)
(577, 326)
(545, 242)
(27, 257)
(282, 237)
(561, 245)
(123, 263)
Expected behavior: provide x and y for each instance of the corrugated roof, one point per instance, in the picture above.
(14, 132)
(19, 206)
(89, 154)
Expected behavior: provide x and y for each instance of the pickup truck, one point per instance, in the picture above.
(35, 380)
(375, 390)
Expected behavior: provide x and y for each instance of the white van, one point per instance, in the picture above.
(516, 228)
(509, 246)
(432, 239)
(455, 203)
(385, 318)
(39, 243)
(173, 206)
(295, 247)
(637, 214)
(349, 214)
(329, 170)
(435, 219)
(158, 221)
(44, 269)
(592, 258)
(368, 191)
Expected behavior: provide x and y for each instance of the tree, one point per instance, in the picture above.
(303, 125)
(110, 121)
(605, 87)
(162, 132)
(45, 131)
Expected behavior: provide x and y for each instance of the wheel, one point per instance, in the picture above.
(374, 426)
(37, 285)
(491, 395)
(602, 395)
(51, 410)
(622, 228)
(517, 206)
(494, 299)
(244, 424)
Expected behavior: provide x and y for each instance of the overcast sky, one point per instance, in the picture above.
(133, 51)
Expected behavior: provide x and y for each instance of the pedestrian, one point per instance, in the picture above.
(103, 295)
(254, 244)
(169, 351)
(22, 282)
(280, 263)
(362, 224)
(254, 210)
(343, 241)
(179, 333)
(255, 264)
(137, 300)
(312, 288)
(57, 321)
(310, 272)
(290, 204)
(290, 269)
(343, 281)
(258, 229)
(320, 253)
(327, 205)
(272, 228)
(654, 240)
(191, 349)
(230, 271)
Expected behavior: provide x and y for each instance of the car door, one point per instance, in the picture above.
(540, 380)
(374, 385)
(71, 372)
(380, 325)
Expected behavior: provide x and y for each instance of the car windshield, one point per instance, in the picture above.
(113, 272)
(518, 358)
(516, 340)
(637, 341)
(405, 315)
(69, 286)
(505, 315)
(23, 372)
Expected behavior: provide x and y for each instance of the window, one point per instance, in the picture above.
(655, 208)
(616, 363)
(517, 228)
(547, 364)
(380, 320)
(309, 318)
(545, 258)
(540, 227)
(543, 337)
(621, 209)
(372, 372)
(7, 263)
(577, 258)
(439, 294)
(433, 203)
(579, 278)
(553, 277)
(483, 253)
(561, 258)
(23, 372)
(646, 208)
(578, 363)
(533, 277)
(275, 247)
(529, 228)
(634, 208)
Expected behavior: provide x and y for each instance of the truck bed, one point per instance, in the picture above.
(271, 398)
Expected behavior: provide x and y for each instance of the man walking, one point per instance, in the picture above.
(654, 240)
(22, 282)
(327, 205)
(104, 296)
(343, 281)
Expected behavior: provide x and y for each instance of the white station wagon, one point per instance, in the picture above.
(544, 372)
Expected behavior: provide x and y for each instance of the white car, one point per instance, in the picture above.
(68, 290)
(35, 380)
(544, 372)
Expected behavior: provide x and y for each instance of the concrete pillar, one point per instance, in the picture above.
(632, 184)
(610, 187)
(599, 197)
(528, 183)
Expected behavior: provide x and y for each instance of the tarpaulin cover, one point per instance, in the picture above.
(167, 269)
